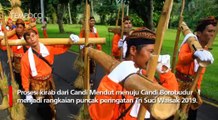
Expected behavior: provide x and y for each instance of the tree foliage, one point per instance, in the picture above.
(143, 12)
(194, 11)
(105, 8)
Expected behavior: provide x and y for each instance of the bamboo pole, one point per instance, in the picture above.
(118, 16)
(9, 62)
(1, 71)
(86, 58)
(122, 27)
(161, 28)
(177, 37)
(117, 30)
(57, 41)
(109, 63)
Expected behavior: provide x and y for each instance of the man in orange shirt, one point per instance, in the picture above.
(3, 52)
(78, 83)
(93, 33)
(140, 45)
(36, 69)
(44, 28)
(117, 41)
(18, 51)
(187, 65)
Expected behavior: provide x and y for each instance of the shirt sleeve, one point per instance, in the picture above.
(104, 111)
(115, 49)
(185, 54)
(168, 80)
(60, 49)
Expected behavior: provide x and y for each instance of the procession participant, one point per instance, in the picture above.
(117, 41)
(3, 52)
(93, 32)
(140, 45)
(78, 83)
(18, 51)
(36, 69)
(10, 25)
(44, 28)
(187, 65)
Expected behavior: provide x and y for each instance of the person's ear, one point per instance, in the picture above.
(198, 33)
(133, 50)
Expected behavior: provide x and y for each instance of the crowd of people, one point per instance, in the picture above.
(32, 64)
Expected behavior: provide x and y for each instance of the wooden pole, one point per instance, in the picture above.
(86, 58)
(57, 41)
(10, 80)
(118, 16)
(161, 28)
(177, 37)
(1, 71)
(122, 27)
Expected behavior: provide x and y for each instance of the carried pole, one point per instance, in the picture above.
(118, 16)
(11, 79)
(86, 58)
(56, 41)
(177, 37)
(122, 27)
(161, 28)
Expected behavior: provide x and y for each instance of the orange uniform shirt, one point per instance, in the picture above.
(185, 63)
(17, 51)
(43, 69)
(115, 49)
(92, 34)
(111, 111)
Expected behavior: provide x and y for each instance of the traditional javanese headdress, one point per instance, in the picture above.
(139, 36)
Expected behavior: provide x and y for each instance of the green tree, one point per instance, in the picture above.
(145, 10)
(105, 8)
(198, 9)
(60, 7)
(61, 10)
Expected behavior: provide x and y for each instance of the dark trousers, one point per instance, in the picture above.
(4, 62)
(47, 110)
(17, 77)
(192, 114)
